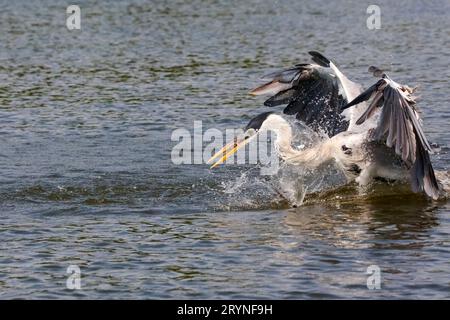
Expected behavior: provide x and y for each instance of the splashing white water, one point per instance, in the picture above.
(290, 183)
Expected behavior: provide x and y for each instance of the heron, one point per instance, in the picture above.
(369, 134)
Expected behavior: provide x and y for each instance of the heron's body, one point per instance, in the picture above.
(380, 139)
(359, 158)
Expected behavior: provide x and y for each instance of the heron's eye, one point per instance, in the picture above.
(250, 132)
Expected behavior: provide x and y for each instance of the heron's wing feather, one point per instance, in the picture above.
(312, 92)
(364, 96)
(377, 101)
(399, 127)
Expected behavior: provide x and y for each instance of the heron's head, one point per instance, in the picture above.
(263, 122)
(258, 124)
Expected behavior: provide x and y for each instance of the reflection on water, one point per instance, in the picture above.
(365, 224)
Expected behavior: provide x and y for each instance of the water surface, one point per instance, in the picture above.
(85, 138)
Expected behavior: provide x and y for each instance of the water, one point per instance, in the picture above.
(86, 179)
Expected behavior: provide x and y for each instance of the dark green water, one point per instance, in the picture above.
(85, 138)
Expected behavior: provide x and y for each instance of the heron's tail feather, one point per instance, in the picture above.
(272, 87)
(423, 178)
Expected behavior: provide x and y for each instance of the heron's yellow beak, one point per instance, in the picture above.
(228, 150)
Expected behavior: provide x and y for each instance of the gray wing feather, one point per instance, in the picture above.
(400, 128)
(377, 102)
(283, 76)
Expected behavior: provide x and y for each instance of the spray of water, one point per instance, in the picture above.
(290, 185)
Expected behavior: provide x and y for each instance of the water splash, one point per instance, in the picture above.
(289, 185)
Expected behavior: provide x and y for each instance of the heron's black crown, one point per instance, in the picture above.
(257, 121)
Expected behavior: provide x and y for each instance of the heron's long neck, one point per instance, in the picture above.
(311, 157)
(283, 139)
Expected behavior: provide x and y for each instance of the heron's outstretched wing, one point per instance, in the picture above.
(315, 93)
(399, 127)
